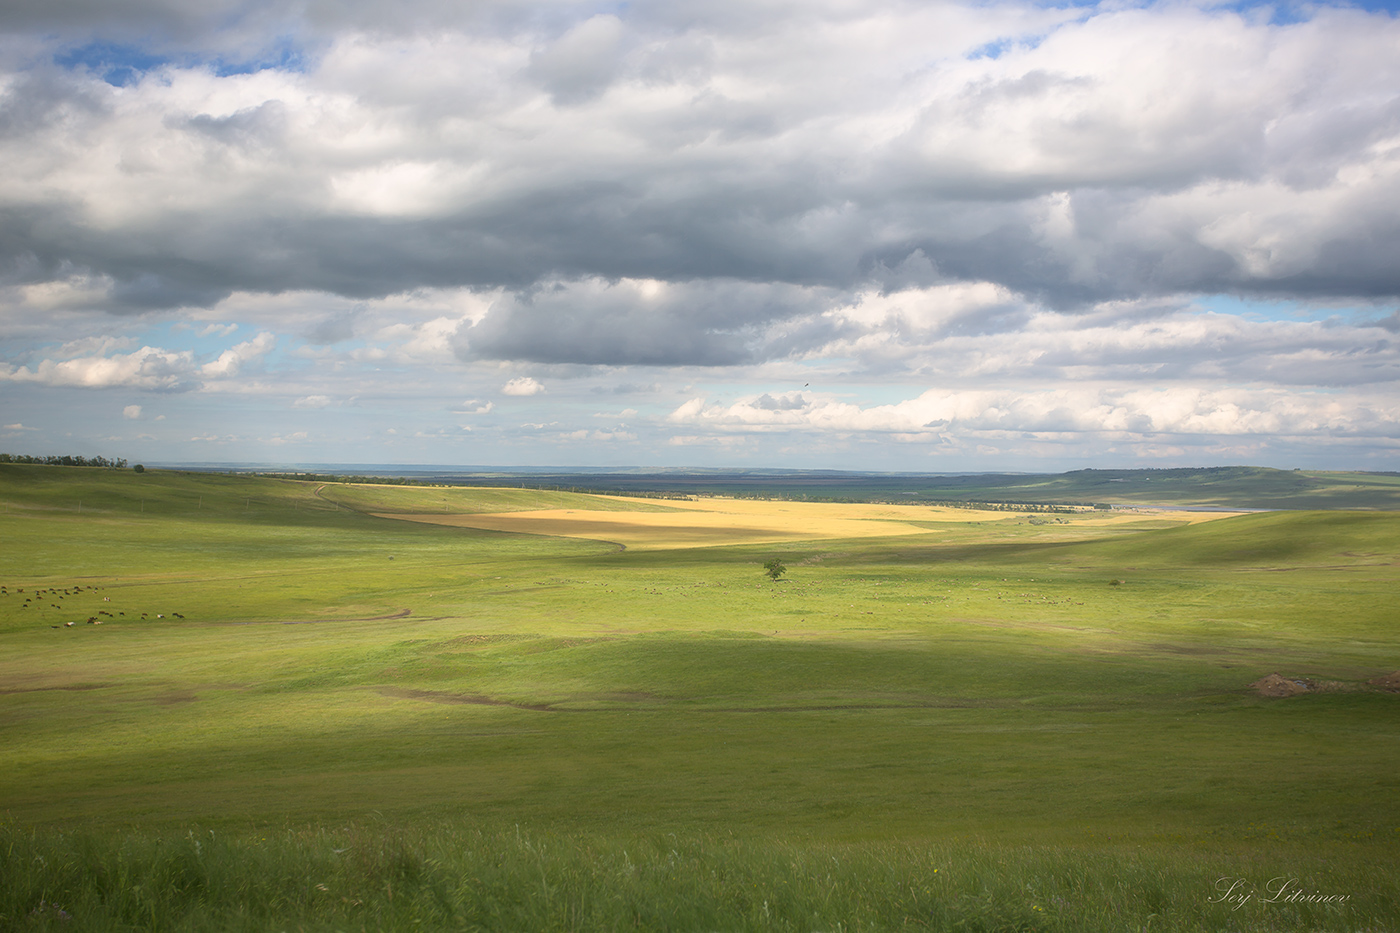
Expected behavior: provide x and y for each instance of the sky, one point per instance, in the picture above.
(852, 234)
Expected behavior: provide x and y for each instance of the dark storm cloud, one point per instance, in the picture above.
(629, 322)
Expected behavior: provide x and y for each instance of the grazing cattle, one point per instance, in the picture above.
(69, 624)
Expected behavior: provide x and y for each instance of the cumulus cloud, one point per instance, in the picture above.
(146, 368)
(132, 412)
(151, 368)
(522, 385)
(983, 331)
(1175, 411)
(633, 321)
(234, 359)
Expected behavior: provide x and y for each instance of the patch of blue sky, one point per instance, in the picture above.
(120, 65)
(1287, 12)
(1279, 12)
(204, 340)
(993, 49)
(1003, 44)
(1256, 309)
(1075, 4)
(199, 337)
(284, 54)
(208, 340)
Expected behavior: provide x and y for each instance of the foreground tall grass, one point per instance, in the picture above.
(446, 876)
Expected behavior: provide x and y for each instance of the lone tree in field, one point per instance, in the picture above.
(774, 568)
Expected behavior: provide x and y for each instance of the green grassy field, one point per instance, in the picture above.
(296, 715)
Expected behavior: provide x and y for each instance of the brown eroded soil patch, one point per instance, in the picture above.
(441, 696)
(1390, 683)
(66, 687)
(1276, 685)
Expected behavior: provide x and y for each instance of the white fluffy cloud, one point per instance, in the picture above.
(151, 368)
(522, 385)
(232, 360)
(146, 368)
(1068, 411)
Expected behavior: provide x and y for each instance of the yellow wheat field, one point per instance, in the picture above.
(720, 521)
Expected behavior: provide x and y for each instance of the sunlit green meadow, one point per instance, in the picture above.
(477, 730)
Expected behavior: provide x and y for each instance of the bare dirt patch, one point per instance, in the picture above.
(401, 614)
(1390, 683)
(65, 687)
(1278, 686)
(440, 696)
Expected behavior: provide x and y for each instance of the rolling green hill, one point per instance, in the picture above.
(296, 714)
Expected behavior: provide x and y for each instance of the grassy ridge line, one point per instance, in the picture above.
(159, 492)
(457, 500)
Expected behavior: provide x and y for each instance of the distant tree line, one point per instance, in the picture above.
(406, 481)
(1062, 508)
(516, 483)
(631, 493)
(334, 478)
(118, 464)
(1014, 506)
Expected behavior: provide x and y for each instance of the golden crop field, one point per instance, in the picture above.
(722, 521)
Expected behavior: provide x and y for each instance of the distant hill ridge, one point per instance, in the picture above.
(1225, 487)
(1240, 487)
(1228, 487)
